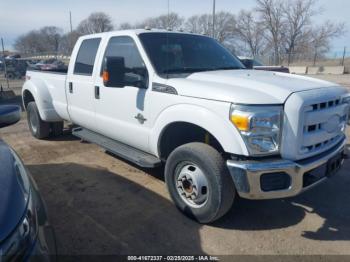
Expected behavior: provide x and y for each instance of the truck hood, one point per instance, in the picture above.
(13, 194)
(245, 86)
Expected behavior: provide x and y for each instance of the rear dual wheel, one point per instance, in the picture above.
(39, 128)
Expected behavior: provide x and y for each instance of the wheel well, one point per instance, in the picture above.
(180, 133)
(27, 98)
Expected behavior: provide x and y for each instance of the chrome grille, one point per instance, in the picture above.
(324, 105)
(314, 122)
(324, 124)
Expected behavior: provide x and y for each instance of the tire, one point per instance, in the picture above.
(57, 128)
(217, 194)
(39, 128)
(10, 76)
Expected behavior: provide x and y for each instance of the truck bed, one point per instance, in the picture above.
(53, 82)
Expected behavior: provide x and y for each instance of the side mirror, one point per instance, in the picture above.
(114, 71)
(247, 63)
(9, 115)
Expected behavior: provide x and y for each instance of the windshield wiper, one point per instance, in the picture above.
(227, 68)
(193, 70)
(185, 70)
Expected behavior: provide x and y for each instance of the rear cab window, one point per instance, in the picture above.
(84, 63)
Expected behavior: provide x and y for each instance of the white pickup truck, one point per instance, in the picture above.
(153, 97)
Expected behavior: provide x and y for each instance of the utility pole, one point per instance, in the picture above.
(70, 21)
(344, 53)
(4, 62)
(214, 18)
(70, 35)
(168, 26)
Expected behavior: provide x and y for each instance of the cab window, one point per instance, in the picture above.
(84, 64)
(135, 69)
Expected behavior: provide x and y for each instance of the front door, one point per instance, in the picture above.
(120, 112)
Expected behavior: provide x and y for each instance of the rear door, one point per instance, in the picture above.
(80, 84)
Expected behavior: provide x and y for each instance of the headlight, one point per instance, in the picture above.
(259, 126)
(23, 238)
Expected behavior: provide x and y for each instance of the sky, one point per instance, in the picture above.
(20, 16)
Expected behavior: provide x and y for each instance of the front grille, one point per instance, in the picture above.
(323, 126)
(314, 122)
(324, 105)
(325, 144)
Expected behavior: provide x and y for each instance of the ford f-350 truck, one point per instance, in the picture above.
(153, 97)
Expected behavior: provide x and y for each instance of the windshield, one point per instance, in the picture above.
(176, 53)
(257, 63)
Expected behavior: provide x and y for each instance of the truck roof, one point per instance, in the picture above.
(134, 32)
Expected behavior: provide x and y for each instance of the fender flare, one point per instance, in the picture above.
(43, 99)
(222, 129)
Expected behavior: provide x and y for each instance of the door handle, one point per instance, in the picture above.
(71, 87)
(97, 92)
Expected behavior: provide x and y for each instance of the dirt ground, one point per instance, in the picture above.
(99, 204)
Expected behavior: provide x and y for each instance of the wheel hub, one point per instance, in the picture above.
(192, 185)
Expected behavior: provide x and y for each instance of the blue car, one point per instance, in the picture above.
(24, 228)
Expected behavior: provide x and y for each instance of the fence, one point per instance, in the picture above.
(16, 68)
(334, 57)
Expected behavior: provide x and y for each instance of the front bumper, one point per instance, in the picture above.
(250, 176)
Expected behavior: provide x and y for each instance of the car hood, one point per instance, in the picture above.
(245, 86)
(13, 193)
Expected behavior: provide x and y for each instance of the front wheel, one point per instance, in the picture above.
(199, 182)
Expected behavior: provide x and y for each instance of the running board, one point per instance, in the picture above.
(129, 153)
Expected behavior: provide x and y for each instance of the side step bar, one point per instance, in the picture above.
(129, 153)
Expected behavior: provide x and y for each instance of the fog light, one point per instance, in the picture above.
(274, 181)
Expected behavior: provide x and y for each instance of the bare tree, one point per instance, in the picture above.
(224, 26)
(67, 42)
(96, 23)
(125, 26)
(272, 18)
(199, 24)
(51, 36)
(202, 24)
(193, 25)
(321, 36)
(298, 15)
(29, 43)
(44, 40)
(250, 32)
(172, 21)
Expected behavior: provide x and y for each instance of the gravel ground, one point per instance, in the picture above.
(99, 204)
